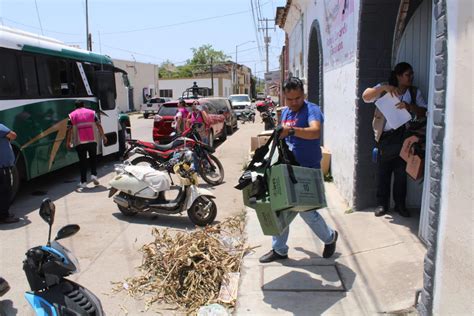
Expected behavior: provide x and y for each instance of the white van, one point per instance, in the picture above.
(152, 106)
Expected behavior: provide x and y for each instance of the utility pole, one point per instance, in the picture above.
(212, 78)
(88, 36)
(267, 44)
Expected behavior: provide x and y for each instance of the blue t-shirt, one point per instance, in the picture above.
(7, 158)
(307, 151)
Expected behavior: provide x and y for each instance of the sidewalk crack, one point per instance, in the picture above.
(369, 250)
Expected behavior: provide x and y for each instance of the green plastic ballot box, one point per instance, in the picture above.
(272, 223)
(304, 195)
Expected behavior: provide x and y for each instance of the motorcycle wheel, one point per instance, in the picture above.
(252, 118)
(208, 175)
(203, 211)
(144, 160)
(124, 210)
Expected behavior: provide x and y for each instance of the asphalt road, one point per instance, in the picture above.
(108, 243)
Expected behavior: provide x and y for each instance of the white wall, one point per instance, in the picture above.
(180, 85)
(339, 91)
(454, 281)
(140, 75)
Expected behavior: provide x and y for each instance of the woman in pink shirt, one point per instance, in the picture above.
(198, 115)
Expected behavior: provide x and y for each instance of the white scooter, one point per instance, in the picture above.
(142, 189)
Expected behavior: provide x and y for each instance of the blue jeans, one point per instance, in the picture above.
(315, 222)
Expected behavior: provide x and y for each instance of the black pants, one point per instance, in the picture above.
(82, 151)
(5, 191)
(390, 163)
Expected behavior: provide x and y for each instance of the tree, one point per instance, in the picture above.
(200, 62)
(204, 55)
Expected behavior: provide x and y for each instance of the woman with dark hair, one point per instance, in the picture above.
(389, 140)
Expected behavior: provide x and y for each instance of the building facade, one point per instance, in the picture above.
(340, 48)
(143, 80)
(226, 79)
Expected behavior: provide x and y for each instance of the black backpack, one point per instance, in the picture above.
(259, 187)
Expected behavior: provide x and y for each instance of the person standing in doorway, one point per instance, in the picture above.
(390, 141)
(7, 161)
(301, 129)
(83, 126)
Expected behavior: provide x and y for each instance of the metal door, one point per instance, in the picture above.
(416, 49)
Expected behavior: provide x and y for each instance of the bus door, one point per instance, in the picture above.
(106, 94)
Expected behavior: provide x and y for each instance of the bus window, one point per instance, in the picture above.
(30, 82)
(9, 81)
(63, 75)
(105, 89)
(48, 73)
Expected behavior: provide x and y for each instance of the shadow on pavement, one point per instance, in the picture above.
(159, 220)
(317, 301)
(24, 221)
(7, 309)
(56, 185)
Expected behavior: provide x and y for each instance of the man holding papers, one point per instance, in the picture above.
(397, 102)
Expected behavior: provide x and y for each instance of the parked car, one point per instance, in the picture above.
(223, 106)
(152, 106)
(261, 96)
(240, 103)
(162, 128)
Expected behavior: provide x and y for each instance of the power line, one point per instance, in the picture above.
(39, 18)
(177, 24)
(37, 28)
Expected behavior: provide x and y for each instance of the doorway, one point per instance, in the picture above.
(315, 70)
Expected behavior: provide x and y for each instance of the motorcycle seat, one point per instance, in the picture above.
(169, 146)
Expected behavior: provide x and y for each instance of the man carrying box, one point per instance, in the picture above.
(301, 122)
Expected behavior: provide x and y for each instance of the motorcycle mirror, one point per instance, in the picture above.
(67, 231)
(47, 211)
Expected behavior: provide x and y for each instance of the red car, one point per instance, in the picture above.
(162, 128)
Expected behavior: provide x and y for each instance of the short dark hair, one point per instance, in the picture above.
(293, 83)
(79, 104)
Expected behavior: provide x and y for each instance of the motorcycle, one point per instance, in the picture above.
(142, 189)
(208, 166)
(247, 116)
(266, 114)
(46, 268)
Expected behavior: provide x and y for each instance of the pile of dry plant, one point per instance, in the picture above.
(188, 268)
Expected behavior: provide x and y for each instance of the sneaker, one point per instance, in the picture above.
(401, 209)
(272, 255)
(4, 286)
(380, 211)
(82, 185)
(9, 220)
(329, 249)
(95, 180)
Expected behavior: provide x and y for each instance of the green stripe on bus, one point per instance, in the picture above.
(89, 57)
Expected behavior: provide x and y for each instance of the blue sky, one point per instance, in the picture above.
(153, 31)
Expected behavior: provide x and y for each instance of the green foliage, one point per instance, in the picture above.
(201, 61)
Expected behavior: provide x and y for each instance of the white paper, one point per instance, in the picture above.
(395, 117)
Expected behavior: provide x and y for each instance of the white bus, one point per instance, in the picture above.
(40, 80)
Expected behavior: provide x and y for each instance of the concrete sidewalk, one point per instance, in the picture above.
(377, 268)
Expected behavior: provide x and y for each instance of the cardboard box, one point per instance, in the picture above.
(253, 143)
(325, 161)
(405, 153)
(262, 140)
(415, 167)
(307, 194)
(272, 223)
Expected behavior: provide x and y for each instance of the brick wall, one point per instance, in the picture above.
(425, 306)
